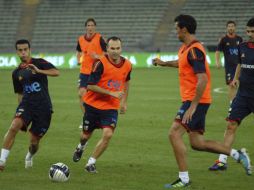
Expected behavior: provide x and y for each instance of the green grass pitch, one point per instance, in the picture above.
(139, 156)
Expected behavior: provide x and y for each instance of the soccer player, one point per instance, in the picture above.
(107, 87)
(243, 104)
(90, 47)
(31, 85)
(229, 46)
(195, 87)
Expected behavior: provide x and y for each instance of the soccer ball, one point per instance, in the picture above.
(59, 172)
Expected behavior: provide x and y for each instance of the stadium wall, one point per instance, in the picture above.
(68, 60)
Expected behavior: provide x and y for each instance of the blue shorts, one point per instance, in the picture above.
(197, 124)
(230, 73)
(95, 118)
(83, 79)
(40, 119)
(240, 108)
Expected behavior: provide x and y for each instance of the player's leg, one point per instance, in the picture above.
(237, 112)
(9, 139)
(90, 118)
(108, 123)
(176, 132)
(41, 119)
(32, 149)
(99, 149)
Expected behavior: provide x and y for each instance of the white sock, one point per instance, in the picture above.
(29, 156)
(91, 161)
(82, 147)
(4, 154)
(235, 154)
(184, 176)
(223, 158)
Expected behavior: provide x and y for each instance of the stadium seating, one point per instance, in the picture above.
(10, 12)
(212, 17)
(60, 22)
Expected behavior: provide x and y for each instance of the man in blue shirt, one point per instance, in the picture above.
(243, 104)
(31, 85)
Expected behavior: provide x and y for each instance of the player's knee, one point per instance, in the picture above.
(173, 134)
(232, 127)
(107, 135)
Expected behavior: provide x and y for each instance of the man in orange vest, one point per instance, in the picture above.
(107, 87)
(90, 47)
(195, 91)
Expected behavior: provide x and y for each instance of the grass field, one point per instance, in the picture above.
(139, 156)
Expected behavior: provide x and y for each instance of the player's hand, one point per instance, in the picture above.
(117, 94)
(94, 55)
(123, 109)
(234, 83)
(157, 61)
(34, 68)
(187, 117)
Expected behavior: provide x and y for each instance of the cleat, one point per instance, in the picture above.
(77, 155)
(91, 168)
(80, 126)
(245, 161)
(2, 165)
(177, 184)
(28, 163)
(218, 166)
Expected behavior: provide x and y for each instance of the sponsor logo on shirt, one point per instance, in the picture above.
(34, 87)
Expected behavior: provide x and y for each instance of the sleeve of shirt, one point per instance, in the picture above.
(78, 48)
(45, 65)
(220, 45)
(103, 44)
(96, 73)
(239, 61)
(196, 59)
(17, 86)
(128, 76)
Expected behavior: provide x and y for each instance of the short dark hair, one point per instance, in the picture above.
(231, 22)
(90, 20)
(250, 23)
(114, 38)
(22, 41)
(188, 22)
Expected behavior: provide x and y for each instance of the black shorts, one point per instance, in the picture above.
(95, 118)
(40, 119)
(83, 79)
(198, 119)
(240, 108)
(229, 73)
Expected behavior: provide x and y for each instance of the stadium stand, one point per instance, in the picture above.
(10, 12)
(60, 22)
(143, 25)
(212, 17)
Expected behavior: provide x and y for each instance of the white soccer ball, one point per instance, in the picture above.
(59, 172)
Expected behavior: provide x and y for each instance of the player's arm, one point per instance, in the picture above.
(235, 81)
(17, 86)
(217, 53)
(196, 59)
(78, 53)
(123, 104)
(53, 72)
(217, 59)
(95, 77)
(159, 62)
